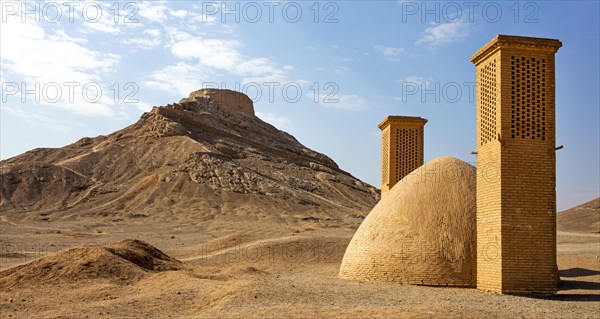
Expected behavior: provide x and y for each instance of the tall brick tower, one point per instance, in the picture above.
(402, 148)
(516, 165)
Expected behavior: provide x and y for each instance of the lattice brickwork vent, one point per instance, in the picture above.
(488, 98)
(407, 151)
(528, 96)
(385, 152)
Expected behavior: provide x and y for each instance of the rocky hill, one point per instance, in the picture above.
(206, 155)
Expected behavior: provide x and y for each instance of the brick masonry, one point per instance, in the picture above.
(516, 165)
(422, 232)
(430, 232)
(402, 148)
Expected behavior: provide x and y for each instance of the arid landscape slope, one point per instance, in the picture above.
(190, 161)
(584, 218)
(202, 210)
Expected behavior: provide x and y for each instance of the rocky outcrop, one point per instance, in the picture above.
(189, 154)
(224, 174)
(227, 99)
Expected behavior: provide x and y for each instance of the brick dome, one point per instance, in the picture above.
(422, 232)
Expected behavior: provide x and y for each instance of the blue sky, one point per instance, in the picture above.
(327, 72)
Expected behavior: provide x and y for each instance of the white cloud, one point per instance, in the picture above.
(304, 83)
(279, 78)
(225, 55)
(142, 106)
(103, 26)
(201, 55)
(202, 19)
(350, 102)
(216, 53)
(279, 121)
(390, 53)
(416, 80)
(107, 19)
(444, 33)
(151, 39)
(36, 119)
(179, 79)
(153, 32)
(38, 57)
(28, 51)
(61, 36)
(341, 70)
(260, 70)
(176, 35)
(154, 11)
(413, 86)
(255, 67)
(143, 43)
(179, 13)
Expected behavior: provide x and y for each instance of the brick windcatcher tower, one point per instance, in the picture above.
(401, 148)
(516, 165)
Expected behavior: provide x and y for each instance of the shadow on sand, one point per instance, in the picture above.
(578, 272)
(565, 286)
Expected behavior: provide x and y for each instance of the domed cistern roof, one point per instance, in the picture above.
(422, 232)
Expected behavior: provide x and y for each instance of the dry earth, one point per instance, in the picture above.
(268, 270)
(196, 211)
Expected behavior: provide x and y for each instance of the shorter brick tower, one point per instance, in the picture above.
(516, 165)
(402, 148)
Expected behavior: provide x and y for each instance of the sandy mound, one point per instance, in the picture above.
(422, 232)
(124, 261)
(584, 218)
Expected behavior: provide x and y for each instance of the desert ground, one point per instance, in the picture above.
(232, 267)
(200, 210)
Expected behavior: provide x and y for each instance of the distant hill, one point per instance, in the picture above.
(584, 218)
(203, 157)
